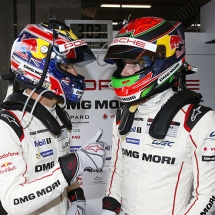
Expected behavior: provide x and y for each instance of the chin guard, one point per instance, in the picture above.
(16, 101)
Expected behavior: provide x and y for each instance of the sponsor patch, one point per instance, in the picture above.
(172, 131)
(211, 136)
(7, 167)
(44, 154)
(132, 141)
(74, 148)
(136, 129)
(208, 158)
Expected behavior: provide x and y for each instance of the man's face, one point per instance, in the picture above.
(69, 68)
(130, 68)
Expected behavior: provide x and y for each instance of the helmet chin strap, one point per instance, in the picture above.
(64, 101)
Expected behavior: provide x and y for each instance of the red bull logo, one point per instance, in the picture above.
(7, 167)
(56, 86)
(30, 44)
(6, 164)
(175, 40)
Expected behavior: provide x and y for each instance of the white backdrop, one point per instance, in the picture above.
(96, 110)
(98, 105)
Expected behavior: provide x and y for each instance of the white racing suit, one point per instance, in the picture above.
(30, 175)
(157, 176)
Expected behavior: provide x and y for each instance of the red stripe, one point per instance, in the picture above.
(197, 185)
(192, 84)
(118, 122)
(191, 88)
(46, 35)
(197, 166)
(14, 64)
(40, 33)
(192, 80)
(114, 168)
(32, 75)
(176, 188)
(38, 179)
(193, 141)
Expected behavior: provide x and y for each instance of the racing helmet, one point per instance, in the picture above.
(36, 56)
(154, 43)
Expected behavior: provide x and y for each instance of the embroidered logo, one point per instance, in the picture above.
(195, 113)
(10, 119)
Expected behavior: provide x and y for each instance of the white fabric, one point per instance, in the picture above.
(107, 212)
(155, 177)
(77, 208)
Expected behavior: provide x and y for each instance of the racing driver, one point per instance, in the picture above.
(36, 167)
(162, 135)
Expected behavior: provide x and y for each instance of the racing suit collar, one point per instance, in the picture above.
(155, 102)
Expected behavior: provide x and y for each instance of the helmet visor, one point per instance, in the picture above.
(129, 54)
(78, 56)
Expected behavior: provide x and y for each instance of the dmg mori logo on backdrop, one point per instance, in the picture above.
(97, 104)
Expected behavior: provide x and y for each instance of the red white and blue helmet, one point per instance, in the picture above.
(158, 46)
(37, 53)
